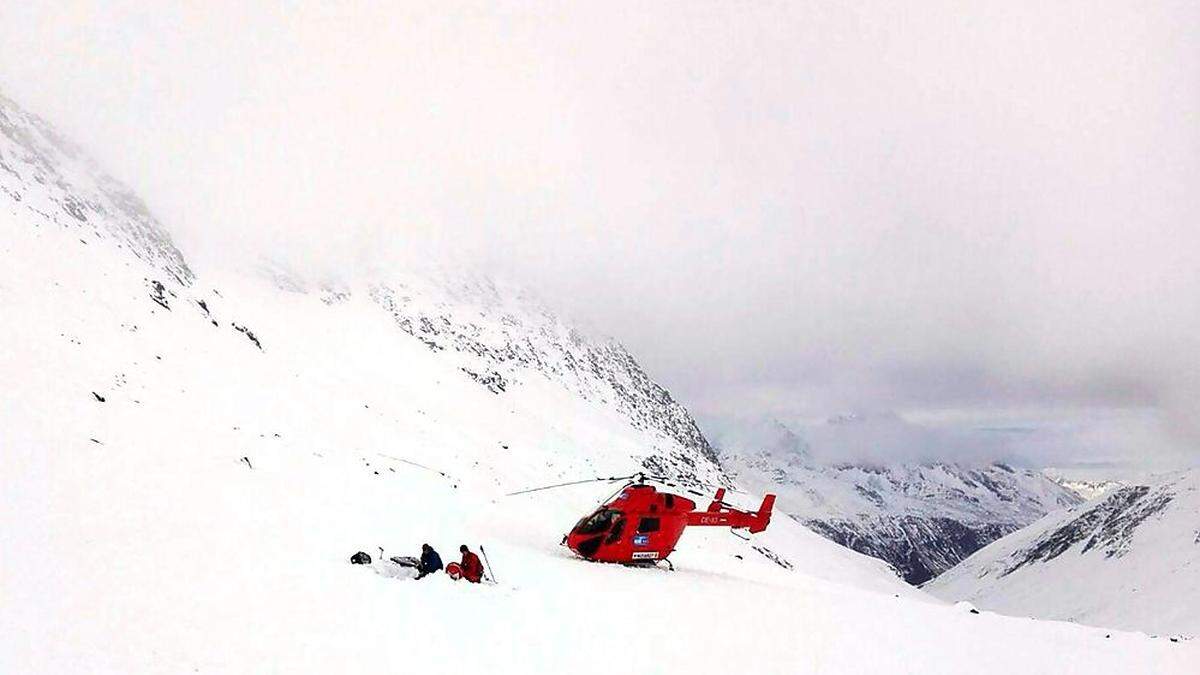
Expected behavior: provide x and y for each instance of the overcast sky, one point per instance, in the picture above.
(974, 215)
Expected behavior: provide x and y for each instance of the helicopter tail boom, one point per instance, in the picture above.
(720, 514)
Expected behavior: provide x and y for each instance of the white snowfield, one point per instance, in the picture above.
(1127, 559)
(201, 517)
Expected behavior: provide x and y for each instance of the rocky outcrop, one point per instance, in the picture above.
(1108, 526)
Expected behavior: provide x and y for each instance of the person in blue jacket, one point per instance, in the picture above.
(430, 561)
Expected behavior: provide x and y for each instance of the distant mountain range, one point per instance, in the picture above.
(921, 518)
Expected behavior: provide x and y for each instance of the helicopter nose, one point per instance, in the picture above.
(588, 547)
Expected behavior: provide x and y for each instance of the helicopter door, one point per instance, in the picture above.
(617, 530)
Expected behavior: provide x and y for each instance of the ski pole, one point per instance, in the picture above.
(488, 563)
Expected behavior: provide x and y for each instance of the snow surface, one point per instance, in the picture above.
(1128, 559)
(201, 516)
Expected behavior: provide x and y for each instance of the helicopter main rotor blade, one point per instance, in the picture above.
(568, 484)
(686, 484)
(641, 477)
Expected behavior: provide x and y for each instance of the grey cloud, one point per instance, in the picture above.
(778, 206)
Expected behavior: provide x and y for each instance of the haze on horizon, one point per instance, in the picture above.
(977, 224)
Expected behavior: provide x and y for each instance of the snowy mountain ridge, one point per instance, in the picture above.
(1087, 488)
(921, 518)
(503, 338)
(1090, 489)
(1128, 559)
(500, 335)
(497, 334)
(53, 179)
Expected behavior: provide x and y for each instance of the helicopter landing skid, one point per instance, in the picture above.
(650, 564)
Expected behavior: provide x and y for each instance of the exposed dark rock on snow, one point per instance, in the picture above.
(773, 556)
(918, 547)
(249, 335)
(494, 381)
(1108, 526)
(158, 293)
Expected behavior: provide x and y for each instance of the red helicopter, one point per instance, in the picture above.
(641, 525)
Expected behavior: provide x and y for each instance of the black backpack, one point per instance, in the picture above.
(360, 558)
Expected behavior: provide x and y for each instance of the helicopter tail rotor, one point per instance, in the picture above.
(762, 517)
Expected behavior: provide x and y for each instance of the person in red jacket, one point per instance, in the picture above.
(472, 569)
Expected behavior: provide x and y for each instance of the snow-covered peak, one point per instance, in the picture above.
(54, 182)
(1090, 489)
(1129, 559)
(501, 337)
(1086, 487)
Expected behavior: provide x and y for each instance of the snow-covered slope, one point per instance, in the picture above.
(188, 460)
(1130, 559)
(921, 518)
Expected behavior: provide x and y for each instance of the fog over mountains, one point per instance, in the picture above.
(977, 215)
(168, 424)
(167, 430)
(288, 290)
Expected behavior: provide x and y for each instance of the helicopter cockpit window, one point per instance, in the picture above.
(597, 522)
(649, 525)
